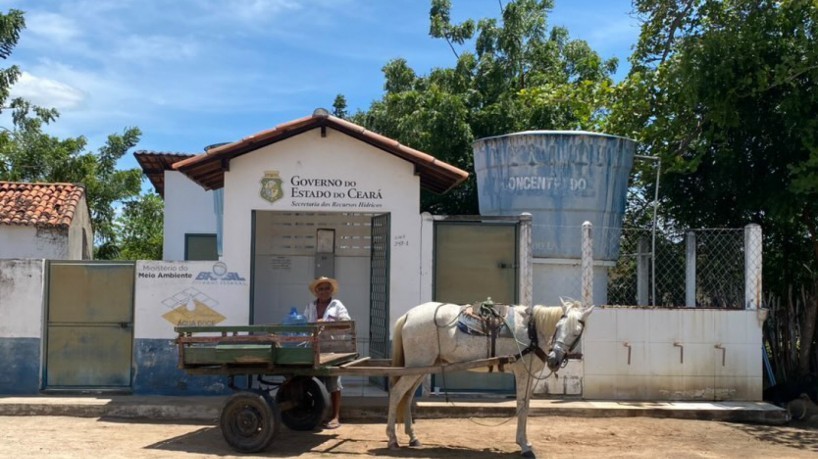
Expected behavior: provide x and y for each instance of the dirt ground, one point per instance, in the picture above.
(638, 437)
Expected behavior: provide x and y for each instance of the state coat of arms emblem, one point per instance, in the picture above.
(271, 186)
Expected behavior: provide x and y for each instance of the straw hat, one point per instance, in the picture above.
(324, 280)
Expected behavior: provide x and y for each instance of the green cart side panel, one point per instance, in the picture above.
(295, 356)
(230, 353)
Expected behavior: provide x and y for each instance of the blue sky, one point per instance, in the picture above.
(190, 73)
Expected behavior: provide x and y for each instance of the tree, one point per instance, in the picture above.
(724, 92)
(28, 154)
(519, 76)
(339, 107)
(140, 228)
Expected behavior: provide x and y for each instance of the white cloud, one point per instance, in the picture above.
(47, 93)
(142, 48)
(52, 27)
(255, 10)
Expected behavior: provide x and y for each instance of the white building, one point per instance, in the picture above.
(44, 220)
(314, 196)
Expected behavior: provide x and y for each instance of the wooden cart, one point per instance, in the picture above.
(252, 417)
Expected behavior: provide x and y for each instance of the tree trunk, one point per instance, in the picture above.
(810, 302)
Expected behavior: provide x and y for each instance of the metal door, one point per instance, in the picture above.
(473, 261)
(89, 335)
(468, 251)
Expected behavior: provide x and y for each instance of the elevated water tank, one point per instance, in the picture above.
(562, 178)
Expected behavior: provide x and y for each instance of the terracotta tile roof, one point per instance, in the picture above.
(155, 163)
(48, 205)
(207, 169)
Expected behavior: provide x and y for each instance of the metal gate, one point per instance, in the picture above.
(379, 288)
(474, 260)
(89, 333)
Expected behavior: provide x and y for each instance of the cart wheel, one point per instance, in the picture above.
(305, 402)
(249, 421)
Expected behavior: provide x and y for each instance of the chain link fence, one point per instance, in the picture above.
(696, 268)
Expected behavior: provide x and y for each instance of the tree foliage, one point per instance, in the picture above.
(29, 154)
(510, 74)
(724, 92)
(140, 227)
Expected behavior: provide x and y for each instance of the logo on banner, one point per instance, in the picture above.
(220, 274)
(192, 307)
(271, 186)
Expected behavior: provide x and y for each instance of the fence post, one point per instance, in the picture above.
(690, 270)
(587, 264)
(525, 261)
(752, 266)
(643, 258)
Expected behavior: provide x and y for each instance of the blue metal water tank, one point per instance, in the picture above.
(562, 178)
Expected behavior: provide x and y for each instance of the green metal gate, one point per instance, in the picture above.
(89, 333)
(475, 260)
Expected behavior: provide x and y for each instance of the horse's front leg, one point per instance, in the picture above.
(525, 385)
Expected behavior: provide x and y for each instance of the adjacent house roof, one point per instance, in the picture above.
(207, 169)
(44, 205)
(154, 165)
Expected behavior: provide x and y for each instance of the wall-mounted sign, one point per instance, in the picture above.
(182, 293)
(320, 192)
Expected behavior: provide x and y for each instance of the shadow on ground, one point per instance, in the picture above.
(801, 435)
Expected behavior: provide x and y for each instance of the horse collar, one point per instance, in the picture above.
(533, 342)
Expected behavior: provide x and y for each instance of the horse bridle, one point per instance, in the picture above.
(534, 341)
(560, 345)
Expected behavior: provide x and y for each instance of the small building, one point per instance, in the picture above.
(314, 196)
(45, 220)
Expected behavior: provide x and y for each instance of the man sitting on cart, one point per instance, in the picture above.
(325, 308)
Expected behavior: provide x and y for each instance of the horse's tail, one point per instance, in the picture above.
(398, 360)
(397, 347)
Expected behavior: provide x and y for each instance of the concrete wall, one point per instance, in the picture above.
(673, 354)
(188, 210)
(629, 353)
(21, 325)
(32, 242)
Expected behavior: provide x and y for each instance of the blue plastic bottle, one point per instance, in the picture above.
(294, 318)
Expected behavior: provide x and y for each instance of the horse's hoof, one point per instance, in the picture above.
(415, 443)
(529, 454)
(393, 445)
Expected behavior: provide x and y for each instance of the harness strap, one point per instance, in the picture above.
(533, 343)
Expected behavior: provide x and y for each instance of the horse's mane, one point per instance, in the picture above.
(546, 318)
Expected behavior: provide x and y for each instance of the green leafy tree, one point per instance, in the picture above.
(29, 154)
(339, 107)
(508, 75)
(140, 227)
(724, 92)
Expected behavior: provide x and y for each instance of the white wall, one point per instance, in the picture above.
(21, 298)
(188, 209)
(81, 222)
(555, 278)
(675, 354)
(335, 157)
(31, 242)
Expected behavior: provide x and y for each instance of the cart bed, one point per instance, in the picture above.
(237, 349)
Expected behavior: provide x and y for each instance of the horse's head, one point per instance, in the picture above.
(566, 335)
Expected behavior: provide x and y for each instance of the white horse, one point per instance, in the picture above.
(428, 335)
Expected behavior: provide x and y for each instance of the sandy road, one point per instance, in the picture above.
(637, 437)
